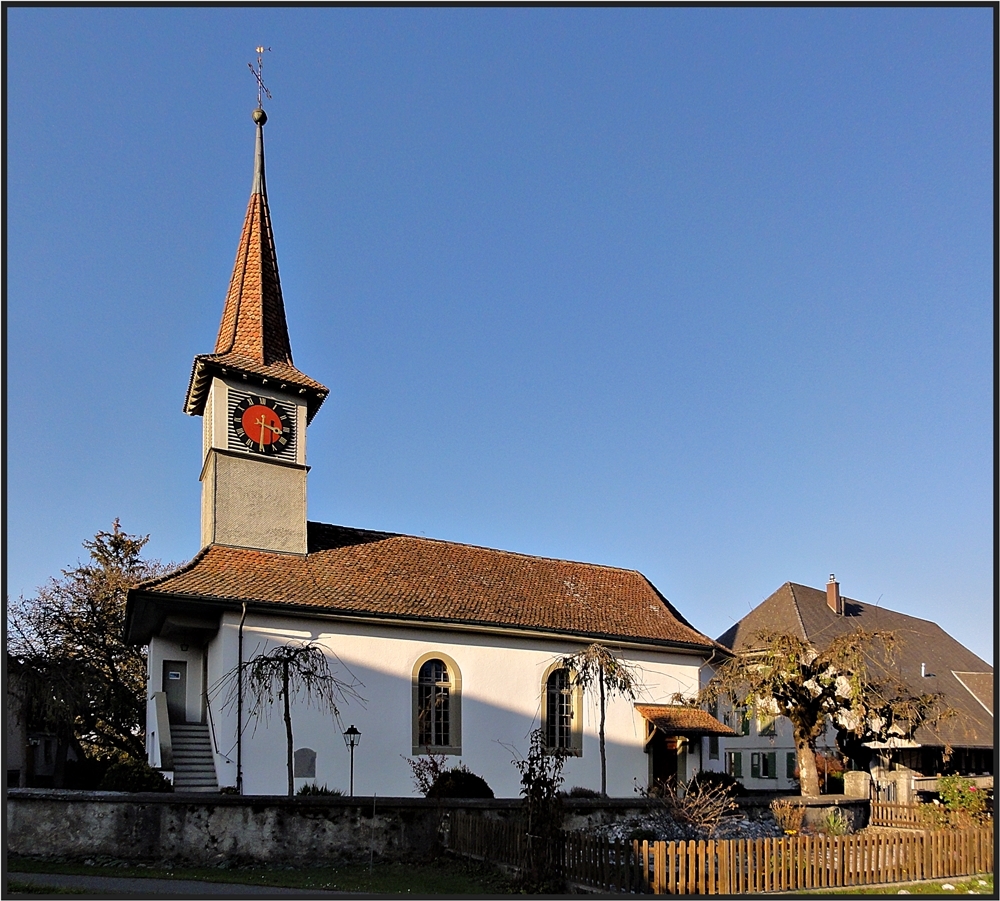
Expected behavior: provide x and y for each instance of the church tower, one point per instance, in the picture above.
(255, 403)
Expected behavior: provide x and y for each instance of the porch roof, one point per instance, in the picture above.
(677, 719)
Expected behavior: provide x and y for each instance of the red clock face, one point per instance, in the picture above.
(262, 425)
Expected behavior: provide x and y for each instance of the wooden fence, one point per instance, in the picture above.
(899, 816)
(741, 866)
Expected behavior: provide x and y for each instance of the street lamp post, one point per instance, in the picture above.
(352, 738)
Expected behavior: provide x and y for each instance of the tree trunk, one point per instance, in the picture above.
(808, 774)
(604, 759)
(288, 727)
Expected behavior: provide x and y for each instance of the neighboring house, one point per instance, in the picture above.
(457, 648)
(31, 752)
(928, 660)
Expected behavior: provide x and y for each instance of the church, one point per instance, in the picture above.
(452, 649)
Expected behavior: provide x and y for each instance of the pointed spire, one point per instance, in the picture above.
(253, 334)
(253, 319)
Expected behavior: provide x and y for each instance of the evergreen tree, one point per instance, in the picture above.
(75, 674)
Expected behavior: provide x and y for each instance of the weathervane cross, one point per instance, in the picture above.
(258, 73)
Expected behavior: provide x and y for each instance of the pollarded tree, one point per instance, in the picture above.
(848, 682)
(286, 672)
(597, 665)
(69, 641)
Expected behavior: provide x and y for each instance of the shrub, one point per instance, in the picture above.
(427, 769)
(834, 822)
(964, 801)
(579, 791)
(700, 806)
(541, 778)
(459, 782)
(713, 779)
(311, 788)
(130, 775)
(788, 815)
(86, 773)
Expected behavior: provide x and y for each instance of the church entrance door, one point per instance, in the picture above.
(175, 688)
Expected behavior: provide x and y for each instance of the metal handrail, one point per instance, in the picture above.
(211, 726)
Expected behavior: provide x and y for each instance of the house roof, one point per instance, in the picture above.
(361, 573)
(951, 669)
(676, 719)
(253, 334)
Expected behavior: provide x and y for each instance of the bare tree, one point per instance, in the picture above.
(286, 672)
(597, 665)
(849, 683)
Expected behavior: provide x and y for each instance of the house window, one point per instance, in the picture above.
(561, 711)
(734, 764)
(713, 747)
(765, 724)
(790, 764)
(739, 720)
(764, 765)
(436, 706)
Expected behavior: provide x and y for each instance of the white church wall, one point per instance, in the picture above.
(501, 686)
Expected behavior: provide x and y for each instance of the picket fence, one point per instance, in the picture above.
(899, 816)
(729, 867)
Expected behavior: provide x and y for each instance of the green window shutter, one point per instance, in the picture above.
(755, 765)
(736, 764)
(790, 763)
(772, 764)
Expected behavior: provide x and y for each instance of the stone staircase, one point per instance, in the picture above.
(194, 763)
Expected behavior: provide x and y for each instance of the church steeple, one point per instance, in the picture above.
(255, 403)
(253, 334)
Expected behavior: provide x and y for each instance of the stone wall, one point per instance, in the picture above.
(208, 831)
(212, 830)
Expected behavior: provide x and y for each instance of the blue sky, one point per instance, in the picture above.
(706, 293)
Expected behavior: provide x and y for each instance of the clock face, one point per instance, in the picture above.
(262, 425)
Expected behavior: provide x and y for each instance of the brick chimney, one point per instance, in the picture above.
(833, 599)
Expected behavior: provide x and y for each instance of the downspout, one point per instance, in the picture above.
(239, 705)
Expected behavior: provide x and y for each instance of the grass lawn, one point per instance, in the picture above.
(444, 876)
(959, 885)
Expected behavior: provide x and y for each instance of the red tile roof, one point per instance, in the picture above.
(253, 334)
(401, 577)
(676, 719)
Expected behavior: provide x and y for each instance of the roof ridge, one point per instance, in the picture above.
(795, 607)
(482, 547)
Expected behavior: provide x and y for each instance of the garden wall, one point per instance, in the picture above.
(211, 830)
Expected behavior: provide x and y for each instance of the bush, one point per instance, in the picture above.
(459, 782)
(579, 791)
(712, 779)
(311, 788)
(86, 773)
(964, 801)
(834, 822)
(788, 815)
(130, 775)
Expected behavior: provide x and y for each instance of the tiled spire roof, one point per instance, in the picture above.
(253, 334)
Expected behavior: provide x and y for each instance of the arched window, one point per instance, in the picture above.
(436, 706)
(562, 713)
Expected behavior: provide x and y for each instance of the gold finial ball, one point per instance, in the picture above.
(259, 116)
